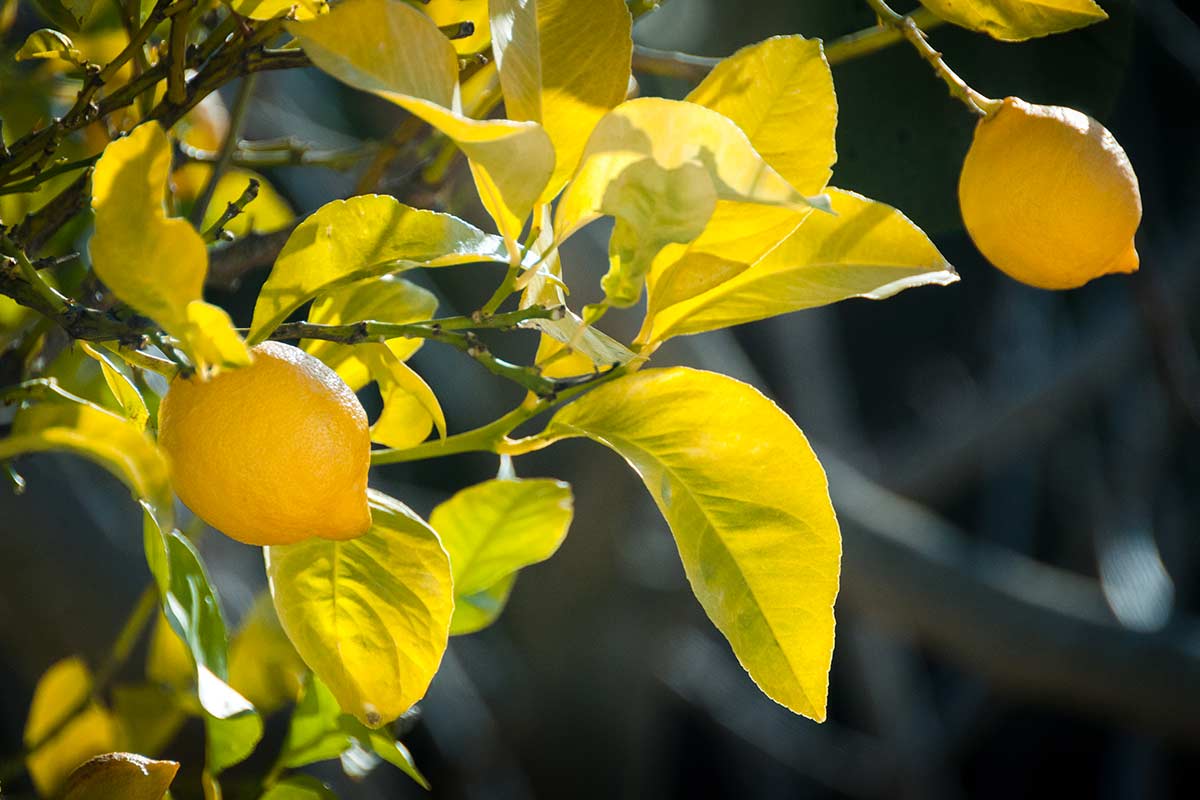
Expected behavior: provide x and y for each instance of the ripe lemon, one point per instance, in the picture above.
(1049, 196)
(271, 453)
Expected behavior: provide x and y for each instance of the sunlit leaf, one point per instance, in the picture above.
(63, 688)
(370, 616)
(268, 9)
(386, 299)
(476, 611)
(48, 43)
(868, 250)
(263, 665)
(410, 408)
(126, 394)
(510, 161)
(1018, 20)
(121, 776)
(564, 64)
(366, 236)
(492, 530)
(450, 12)
(155, 264)
(749, 506)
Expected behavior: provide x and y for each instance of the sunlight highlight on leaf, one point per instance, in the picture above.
(62, 688)
(1018, 20)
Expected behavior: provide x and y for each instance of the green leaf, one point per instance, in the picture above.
(366, 236)
(493, 529)
(384, 745)
(121, 776)
(386, 299)
(1017, 20)
(475, 611)
(370, 616)
(127, 395)
(564, 64)
(133, 233)
(149, 715)
(511, 161)
(868, 250)
(299, 787)
(410, 408)
(749, 506)
(62, 688)
(663, 187)
(49, 43)
(315, 732)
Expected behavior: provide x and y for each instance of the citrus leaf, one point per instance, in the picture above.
(266, 213)
(269, 9)
(493, 529)
(749, 506)
(868, 250)
(475, 611)
(149, 715)
(384, 745)
(510, 161)
(49, 43)
(451, 12)
(563, 64)
(121, 776)
(299, 787)
(126, 394)
(314, 733)
(155, 264)
(386, 299)
(370, 616)
(366, 236)
(410, 408)
(168, 661)
(263, 665)
(62, 689)
(1017, 20)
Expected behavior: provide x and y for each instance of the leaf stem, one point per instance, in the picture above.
(48, 293)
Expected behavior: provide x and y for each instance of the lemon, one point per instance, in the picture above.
(120, 776)
(1049, 196)
(271, 453)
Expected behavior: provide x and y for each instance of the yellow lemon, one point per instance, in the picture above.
(1049, 196)
(271, 453)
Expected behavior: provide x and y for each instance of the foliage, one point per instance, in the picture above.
(723, 213)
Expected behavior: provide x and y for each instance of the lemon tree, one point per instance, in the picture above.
(724, 211)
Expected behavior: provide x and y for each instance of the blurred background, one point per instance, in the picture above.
(1015, 472)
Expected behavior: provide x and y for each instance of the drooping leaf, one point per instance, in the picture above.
(126, 394)
(749, 507)
(348, 240)
(299, 787)
(564, 64)
(49, 43)
(121, 776)
(868, 250)
(1017, 20)
(492, 530)
(510, 161)
(155, 264)
(263, 665)
(62, 689)
(386, 299)
(370, 616)
(410, 408)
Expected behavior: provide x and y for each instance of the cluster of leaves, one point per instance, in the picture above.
(723, 214)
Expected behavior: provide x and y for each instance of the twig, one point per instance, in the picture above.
(285, 153)
(237, 118)
(177, 52)
(232, 210)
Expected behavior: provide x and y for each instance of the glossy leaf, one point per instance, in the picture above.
(511, 161)
(868, 250)
(48, 43)
(386, 299)
(1018, 20)
(62, 689)
(263, 665)
(155, 264)
(493, 529)
(121, 776)
(564, 64)
(127, 395)
(410, 408)
(370, 616)
(749, 507)
(366, 236)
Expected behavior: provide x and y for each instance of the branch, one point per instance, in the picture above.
(232, 210)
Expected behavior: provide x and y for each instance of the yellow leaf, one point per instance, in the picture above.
(64, 687)
(392, 50)
(122, 388)
(168, 661)
(48, 43)
(1017, 20)
(492, 530)
(370, 616)
(263, 665)
(155, 264)
(410, 408)
(386, 299)
(348, 240)
(564, 64)
(749, 506)
(451, 12)
(268, 9)
(868, 250)
(121, 776)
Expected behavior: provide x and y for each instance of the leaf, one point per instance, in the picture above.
(384, 745)
(386, 299)
(126, 394)
(263, 665)
(63, 688)
(451, 12)
(155, 264)
(299, 787)
(315, 733)
(121, 776)
(366, 236)
(80, 9)
(370, 616)
(49, 43)
(510, 161)
(168, 660)
(1017, 20)
(661, 186)
(266, 213)
(474, 612)
(269, 9)
(868, 250)
(149, 716)
(493, 529)
(410, 408)
(749, 507)
(563, 64)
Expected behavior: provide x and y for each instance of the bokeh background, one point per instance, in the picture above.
(1015, 471)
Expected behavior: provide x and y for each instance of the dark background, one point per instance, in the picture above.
(1015, 472)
